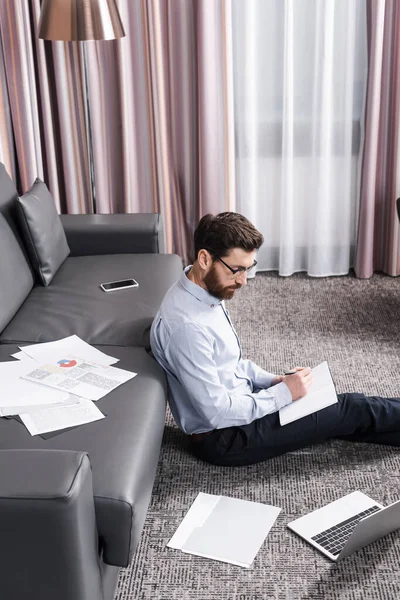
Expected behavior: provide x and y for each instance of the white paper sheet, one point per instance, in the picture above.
(53, 419)
(80, 377)
(321, 394)
(21, 355)
(197, 514)
(16, 392)
(10, 411)
(225, 529)
(74, 345)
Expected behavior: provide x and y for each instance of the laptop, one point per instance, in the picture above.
(346, 525)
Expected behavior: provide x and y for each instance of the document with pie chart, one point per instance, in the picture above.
(78, 376)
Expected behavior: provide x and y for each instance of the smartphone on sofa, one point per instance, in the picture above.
(122, 284)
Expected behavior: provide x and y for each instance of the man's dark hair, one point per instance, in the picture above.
(221, 233)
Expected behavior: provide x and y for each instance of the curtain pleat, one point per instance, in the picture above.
(168, 190)
(161, 109)
(70, 129)
(216, 122)
(19, 70)
(378, 247)
(7, 146)
(45, 99)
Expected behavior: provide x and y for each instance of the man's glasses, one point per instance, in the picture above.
(239, 270)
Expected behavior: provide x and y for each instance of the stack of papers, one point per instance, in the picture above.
(225, 529)
(53, 385)
(18, 394)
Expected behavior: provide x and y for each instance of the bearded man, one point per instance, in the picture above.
(227, 405)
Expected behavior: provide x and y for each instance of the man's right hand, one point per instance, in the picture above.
(299, 382)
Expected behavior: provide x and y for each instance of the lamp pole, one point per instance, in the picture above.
(80, 21)
(89, 128)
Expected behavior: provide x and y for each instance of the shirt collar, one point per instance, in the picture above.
(197, 291)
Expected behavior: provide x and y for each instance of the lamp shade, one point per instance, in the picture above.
(78, 20)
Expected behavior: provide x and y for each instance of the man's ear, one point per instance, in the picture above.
(204, 259)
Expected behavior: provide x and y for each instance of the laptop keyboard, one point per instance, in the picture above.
(334, 538)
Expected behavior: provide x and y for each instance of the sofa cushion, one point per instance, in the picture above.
(43, 231)
(123, 449)
(75, 303)
(16, 279)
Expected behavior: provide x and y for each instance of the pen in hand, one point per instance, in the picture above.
(292, 371)
(298, 385)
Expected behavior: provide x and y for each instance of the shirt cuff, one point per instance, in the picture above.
(282, 394)
(263, 380)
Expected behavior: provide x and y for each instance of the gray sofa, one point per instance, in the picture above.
(72, 506)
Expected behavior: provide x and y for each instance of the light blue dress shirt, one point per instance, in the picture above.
(210, 385)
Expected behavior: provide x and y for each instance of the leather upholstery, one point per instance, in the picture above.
(114, 234)
(16, 279)
(72, 548)
(41, 494)
(75, 303)
(123, 449)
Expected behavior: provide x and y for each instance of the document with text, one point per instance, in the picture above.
(321, 394)
(12, 411)
(55, 418)
(78, 376)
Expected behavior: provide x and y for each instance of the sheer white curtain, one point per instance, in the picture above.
(300, 69)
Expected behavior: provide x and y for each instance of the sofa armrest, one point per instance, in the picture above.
(48, 541)
(140, 233)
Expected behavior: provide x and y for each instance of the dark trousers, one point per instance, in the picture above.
(355, 417)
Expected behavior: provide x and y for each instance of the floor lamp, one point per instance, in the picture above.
(79, 21)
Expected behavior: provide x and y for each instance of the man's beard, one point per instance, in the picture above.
(215, 287)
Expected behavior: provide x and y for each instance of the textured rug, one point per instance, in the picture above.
(283, 322)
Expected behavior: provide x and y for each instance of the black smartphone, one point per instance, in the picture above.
(123, 284)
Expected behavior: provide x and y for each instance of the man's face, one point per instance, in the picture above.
(220, 281)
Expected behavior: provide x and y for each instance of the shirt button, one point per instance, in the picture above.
(212, 305)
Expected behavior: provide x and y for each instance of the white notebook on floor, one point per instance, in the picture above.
(321, 393)
(225, 529)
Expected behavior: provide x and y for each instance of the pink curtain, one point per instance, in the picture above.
(161, 105)
(7, 149)
(378, 247)
(42, 106)
(161, 112)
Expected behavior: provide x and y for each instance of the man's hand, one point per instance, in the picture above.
(277, 379)
(299, 382)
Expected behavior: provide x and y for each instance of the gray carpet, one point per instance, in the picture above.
(282, 322)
